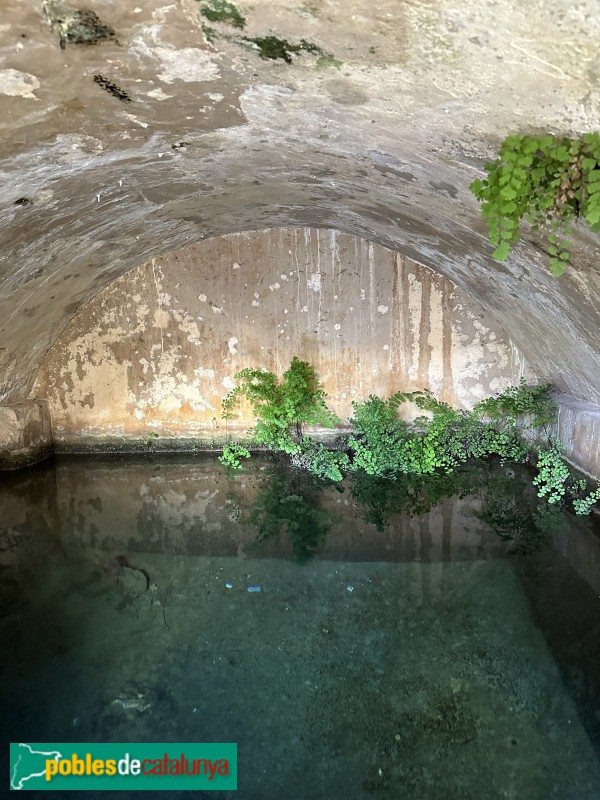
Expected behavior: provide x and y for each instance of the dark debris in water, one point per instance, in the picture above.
(112, 88)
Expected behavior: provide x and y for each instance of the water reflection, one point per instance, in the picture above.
(507, 502)
(288, 502)
(193, 507)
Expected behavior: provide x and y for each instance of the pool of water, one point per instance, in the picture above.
(438, 639)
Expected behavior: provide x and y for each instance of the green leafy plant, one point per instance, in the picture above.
(553, 475)
(385, 447)
(517, 402)
(321, 462)
(550, 181)
(557, 482)
(232, 453)
(583, 506)
(454, 439)
(282, 407)
(382, 445)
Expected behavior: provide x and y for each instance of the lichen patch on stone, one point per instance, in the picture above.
(272, 47)
(222, 11)
(76, 25)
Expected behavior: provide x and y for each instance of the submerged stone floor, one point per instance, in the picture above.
(336, 680)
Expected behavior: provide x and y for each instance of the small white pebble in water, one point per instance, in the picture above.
(350, 587)
(380, 772)
(194, 710)
(76, 722)
(229, 585)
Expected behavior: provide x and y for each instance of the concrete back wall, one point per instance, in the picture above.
(157, 350)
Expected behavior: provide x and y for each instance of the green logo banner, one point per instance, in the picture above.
(126, 765)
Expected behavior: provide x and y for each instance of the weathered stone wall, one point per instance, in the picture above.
(578, 428)
(379, 138)
(158, 349)
(25, 433)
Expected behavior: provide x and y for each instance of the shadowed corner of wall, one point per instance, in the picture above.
(25, 434)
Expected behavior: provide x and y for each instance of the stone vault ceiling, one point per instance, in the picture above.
(373, 121)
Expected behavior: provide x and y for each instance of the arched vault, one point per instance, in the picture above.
(372, 119)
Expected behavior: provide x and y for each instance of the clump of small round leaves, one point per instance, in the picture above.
(551, 182)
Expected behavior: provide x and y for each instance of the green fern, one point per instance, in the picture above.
(550, 181)
(283, 407)
(517, 402)
(232, 453)
(384, 446)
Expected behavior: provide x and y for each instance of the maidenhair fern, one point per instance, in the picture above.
(382, 445)
(282, 407)
(551, 182)
(232, 455)
(516, 402)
